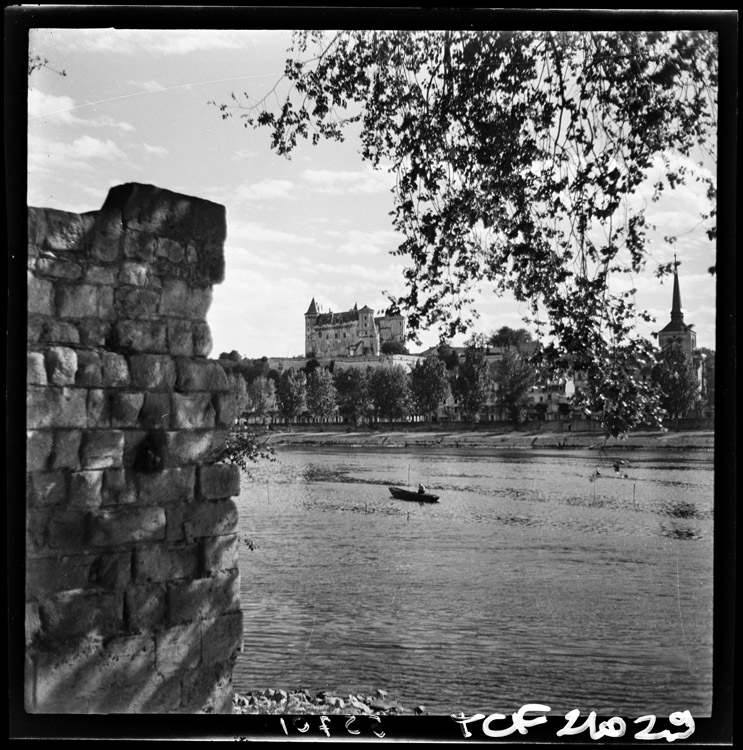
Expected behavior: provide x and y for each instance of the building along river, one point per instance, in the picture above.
(527, 583)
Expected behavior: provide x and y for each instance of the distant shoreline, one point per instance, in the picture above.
(480, 439)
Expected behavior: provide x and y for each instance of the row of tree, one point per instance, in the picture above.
(390, 393)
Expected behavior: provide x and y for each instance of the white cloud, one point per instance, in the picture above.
(157, 150)
(369, 243)
(340, 182)
(268, 189)
(159, 41)
(147, 85)
(49, 155)
(255, 232)
(59, 109)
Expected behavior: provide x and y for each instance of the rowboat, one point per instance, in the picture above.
(418, 497)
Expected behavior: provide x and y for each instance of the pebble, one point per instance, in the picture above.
(297, 702)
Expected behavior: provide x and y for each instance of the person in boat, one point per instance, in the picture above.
(421, 489)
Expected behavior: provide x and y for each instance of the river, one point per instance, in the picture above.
(526, 583)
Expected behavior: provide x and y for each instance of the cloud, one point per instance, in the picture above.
(49, 155)
(59, 109)
(147, 85)
(369, 243)
(157, 150)
(158, 41)
(342, 182)
(265, 190)
(255, 232)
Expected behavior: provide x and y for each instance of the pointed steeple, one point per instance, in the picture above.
(677, 315)
(312, 310)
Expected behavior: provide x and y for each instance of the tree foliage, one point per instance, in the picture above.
(506, 337)
(321, 394)
(518, 159)
(674, 375)
(429, 384)
(291, 394)
(514, 375)
(473, 383)
(261, 396)
(390, 392)
(352, 393)
(393, 347)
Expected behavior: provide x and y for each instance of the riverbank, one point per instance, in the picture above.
(481, 439)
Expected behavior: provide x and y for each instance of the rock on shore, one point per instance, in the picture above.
(297, 702)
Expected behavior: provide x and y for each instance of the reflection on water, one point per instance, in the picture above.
(526, 583)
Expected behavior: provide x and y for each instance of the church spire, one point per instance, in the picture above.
(677, 315)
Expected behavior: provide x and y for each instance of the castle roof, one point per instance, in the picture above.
(312, 310)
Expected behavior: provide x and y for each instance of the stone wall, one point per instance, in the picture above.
(132, 582)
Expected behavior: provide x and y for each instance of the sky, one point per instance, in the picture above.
(134, 107)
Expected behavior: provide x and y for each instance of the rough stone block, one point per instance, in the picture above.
(160, 564)
(66, 530)
(59, 332)
(191, 447)
(102, 449)
(183, 301)
(201, 375)
(168, 486)
(136, 302)
(142, 335)
(193, 411)
(37, 529)
(145, 607)
(101, 275)
(61, 365)
(178, 217)
(40, 296)
(217, 481)
(39, 445)
(32, 622)
(125, 408)
(156, 411)
(208, 690)
(178, 648)
(139, 245)
(56, 407)
(180, 338)
(35, 368)
(104, 236)
(99, 408)
(88, 368)
(115, 369)
(152, 372)
(221, 638)
(66, 451)
(106, 303)
(204, 598)
(81, 612)
(175, 252)
(50, 575)
(133, 273)
(46, 488)
(125, 525)
(202, 340)
(62, 231)
(77, 301)
(34, 326)
(86, 488)
(220, 553)
(226, 409)
(202, 519)
(118, 488)
(93, 332)
(58, 269)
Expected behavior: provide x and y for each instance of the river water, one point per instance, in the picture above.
(526, 583)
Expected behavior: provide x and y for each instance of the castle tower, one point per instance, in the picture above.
(310, 318)
(676, 331)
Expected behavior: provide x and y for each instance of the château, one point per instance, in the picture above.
(352, 333)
